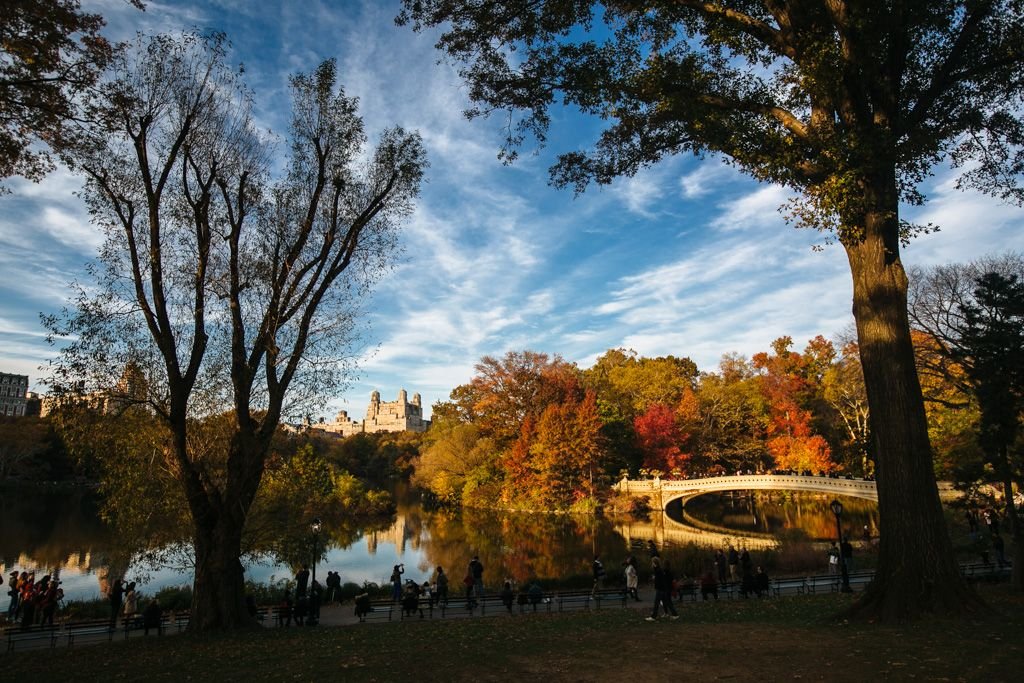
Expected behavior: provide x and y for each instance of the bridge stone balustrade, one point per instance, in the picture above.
(661, 492)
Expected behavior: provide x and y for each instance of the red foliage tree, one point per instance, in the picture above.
(659, 438)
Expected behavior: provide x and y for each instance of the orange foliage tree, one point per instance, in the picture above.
(786, 381)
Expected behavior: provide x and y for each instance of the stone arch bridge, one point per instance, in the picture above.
(661, 492)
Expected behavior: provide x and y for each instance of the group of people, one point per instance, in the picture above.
(32, 601)
(991, 519)
(305, 607)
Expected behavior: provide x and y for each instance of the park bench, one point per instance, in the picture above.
(90, 628)
(379, 609)
(819, 582)
(37, 635)
(689, 590)
(788, 586)
(985, 571)
(861, 579)
(588, 600)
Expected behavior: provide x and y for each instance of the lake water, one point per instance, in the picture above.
(61, 534)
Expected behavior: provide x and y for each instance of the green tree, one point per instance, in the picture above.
(843, 389)
(455, 456)
(30, 450)
(734, 420)
(848, 103)
(991, 347)
(231, 288)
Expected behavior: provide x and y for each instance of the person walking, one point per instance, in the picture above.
(662, 590)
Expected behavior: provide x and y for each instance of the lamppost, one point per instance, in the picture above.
(315, 526)
(837, 510)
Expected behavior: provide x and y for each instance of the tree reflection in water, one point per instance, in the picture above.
(61, 530)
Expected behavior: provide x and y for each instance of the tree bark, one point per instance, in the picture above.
(917, 571)
(218, 593)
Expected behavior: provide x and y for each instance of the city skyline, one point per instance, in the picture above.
(688, 258)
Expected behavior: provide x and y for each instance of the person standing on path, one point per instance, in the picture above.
(734, 563)
(130, 602)
(632, 579)
(441, 587)
(662, 591)
(477, 570)
(721, 565)
(116, 595)
(396, 582)
(12, 592)
(846, 554)
(833, 559)
(597, 568)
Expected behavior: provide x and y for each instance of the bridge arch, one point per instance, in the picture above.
(661, 492)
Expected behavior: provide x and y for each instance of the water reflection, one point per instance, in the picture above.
(61, 533)
(780, 513)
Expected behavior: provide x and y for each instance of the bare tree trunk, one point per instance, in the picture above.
(917, 571)
(218, 594)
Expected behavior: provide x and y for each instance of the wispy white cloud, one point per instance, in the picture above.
(756, 210)
(708, 177)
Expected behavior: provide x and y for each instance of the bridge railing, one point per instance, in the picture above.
(665, 490)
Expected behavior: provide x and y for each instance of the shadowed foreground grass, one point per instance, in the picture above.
(787, 639)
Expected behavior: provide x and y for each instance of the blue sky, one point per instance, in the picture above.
(688, 258)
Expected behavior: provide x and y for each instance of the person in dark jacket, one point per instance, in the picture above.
(151, 617)
(662, 590)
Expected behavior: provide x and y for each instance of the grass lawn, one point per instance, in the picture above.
(795, 638)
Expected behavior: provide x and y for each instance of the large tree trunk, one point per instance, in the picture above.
(218, 593)
(917, 571)
(218, 519)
